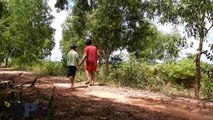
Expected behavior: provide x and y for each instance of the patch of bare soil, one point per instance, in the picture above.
(105, 102)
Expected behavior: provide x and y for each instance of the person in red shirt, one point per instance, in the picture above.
(91, 55)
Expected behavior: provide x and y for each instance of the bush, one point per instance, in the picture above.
(207, 81)
(207, 88)
(132, 73)
(49, 68)
(181, 72)
(44, 68)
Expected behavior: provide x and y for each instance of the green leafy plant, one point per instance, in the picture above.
(49, 68)
(132, 73)
(207, 88)
(43, 68)
(207, 83)
(181, 72)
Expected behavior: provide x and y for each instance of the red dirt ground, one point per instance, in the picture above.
(105, 102)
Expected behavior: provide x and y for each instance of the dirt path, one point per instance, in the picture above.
(107, 102)
(180, 107)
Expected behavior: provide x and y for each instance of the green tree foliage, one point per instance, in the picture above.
(74, 29)
(61, 4)
(28, 35)
(112, 25)
(195, 14)
(119, 24)
(159, 46)
(116, 25)
(3, 25)
(3, 8)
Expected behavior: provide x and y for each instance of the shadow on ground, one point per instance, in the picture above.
(72, 107)
(74, 104)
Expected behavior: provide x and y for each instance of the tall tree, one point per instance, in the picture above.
(159, 46)
(117, 25)
(111, 24)
(74, 29)
(29, 36)
(195, 15)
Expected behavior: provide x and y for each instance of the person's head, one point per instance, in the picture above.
(73, 46)
(88, 42)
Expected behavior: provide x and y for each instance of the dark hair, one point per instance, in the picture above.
(73, 46)
(88, 42)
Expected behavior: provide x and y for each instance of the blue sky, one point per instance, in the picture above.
(60, 17)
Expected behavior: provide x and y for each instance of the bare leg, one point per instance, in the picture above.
(72, 80)
(88, 76)
(92, 74)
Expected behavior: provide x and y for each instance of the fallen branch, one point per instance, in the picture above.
(34, 81)
(31, 82)
(51, 99)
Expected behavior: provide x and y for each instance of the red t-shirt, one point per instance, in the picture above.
(91, 52)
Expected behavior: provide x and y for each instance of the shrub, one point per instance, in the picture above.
(207, 88)
(44, 68)
(181, 72)
(207, 81)
(49, 68)
(132, 73)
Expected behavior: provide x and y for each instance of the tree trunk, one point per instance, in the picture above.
(106, 72)
(202, 35)
(6, 61)
(198, 72)
(1, 62)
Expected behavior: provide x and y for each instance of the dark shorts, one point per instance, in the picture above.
(71, 71)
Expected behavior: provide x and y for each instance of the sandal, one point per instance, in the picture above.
(87, 82)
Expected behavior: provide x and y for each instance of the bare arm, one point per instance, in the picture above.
(82, 60)
(98, 56)
(78, 59)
